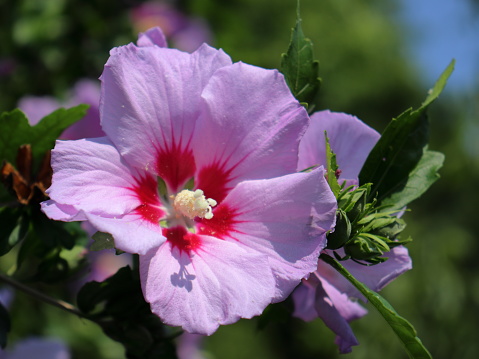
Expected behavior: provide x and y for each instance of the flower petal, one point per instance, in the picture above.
(62, 212)
(91, 176)
(150, 105)
(316, 298)
(374, 277)
(132, 234)
(304, 297)
(92, 182)
(249, 129)
(285, 218)
(329, 310)
(152, 37)
(217, 284)
(351, 140)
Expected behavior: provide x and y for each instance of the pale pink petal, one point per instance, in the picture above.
(92, 182)
(378, 276)
(249, 129)
(132, 233)
(304, 297)
(285, 218)
(91, 176)
(374, 277)
(350, 139)
(219, 284)
(349, 308)
(316, 298)
(152, 37)
(151, 102)
(62, 212)
(327, 309)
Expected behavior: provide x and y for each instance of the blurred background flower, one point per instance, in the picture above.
(183, 32)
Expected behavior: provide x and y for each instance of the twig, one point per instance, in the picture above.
(43, 297)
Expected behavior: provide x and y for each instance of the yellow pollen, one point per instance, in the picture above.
(194, 204)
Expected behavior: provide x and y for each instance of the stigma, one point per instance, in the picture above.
(193, 204)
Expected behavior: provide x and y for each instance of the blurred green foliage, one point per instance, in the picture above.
(47, 45)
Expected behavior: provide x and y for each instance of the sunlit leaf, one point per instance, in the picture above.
(403, 329)
(299, 68)
(396, 163)
(16, 131)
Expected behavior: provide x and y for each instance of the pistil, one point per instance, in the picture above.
(193, 204)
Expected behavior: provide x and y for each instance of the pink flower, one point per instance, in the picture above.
(185, 32)
(246, 232)
(38, 348)
(85, 91)
(32, 347)
(326, 294)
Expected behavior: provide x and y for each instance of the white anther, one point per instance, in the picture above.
(194, 204)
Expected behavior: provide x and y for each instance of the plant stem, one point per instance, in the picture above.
(43, 297)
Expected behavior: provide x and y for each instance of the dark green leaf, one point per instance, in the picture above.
(14, 227)
(403, 329)
(419, 180)
(4, 325)
(102, 241)
(400, 149)
(299, 67)
(16, 131)
(141, 332)
(342, 231)
(122, 286)
(54, 233)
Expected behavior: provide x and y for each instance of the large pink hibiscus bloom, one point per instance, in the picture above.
(327, 294)
(247, 230)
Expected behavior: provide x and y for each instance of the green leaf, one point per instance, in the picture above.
(342, 231)
(102, 241)
(400, 149)
(419, 180)
(439, 85)
(118, 290)
(140, 331)
(299, 67)
(332, 167)
(16, 131)
(4, 325)
(54, 233)
(14, 227)
(403, 329)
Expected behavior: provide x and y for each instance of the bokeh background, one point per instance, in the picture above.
(377, 58)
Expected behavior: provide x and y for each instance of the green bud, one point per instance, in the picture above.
(366, 247)
(341, 233)
(390, 230)
(354, 202)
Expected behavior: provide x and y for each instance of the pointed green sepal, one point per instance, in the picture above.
(332, 168)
